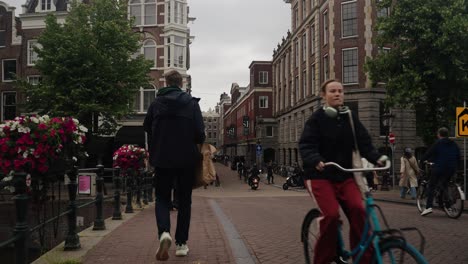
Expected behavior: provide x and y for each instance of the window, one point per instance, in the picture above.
(144, 12)
(325, 28)
(269, 131)
(9, 70)
(350, 66)
(149, 50)
(150, 12)
(144, 98)
(296, 53)
(296, 17)
(296, 89)
(349, 19)
(178, 48)
(179, 13)
(263, 77)
(209, 134)
(34, 79)
(45, 5)
(32, 55)
(304, 84)
(304, 47)
(326, 70)
(382, 11)
(312, 86)
(135, 11)
(169, 52)
(312, 39)
(304, 14)
(214, 134)
(2, 38)
(9, 105)
(263, 101)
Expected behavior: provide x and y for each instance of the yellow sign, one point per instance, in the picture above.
(462, 121)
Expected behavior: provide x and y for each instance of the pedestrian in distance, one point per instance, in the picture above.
(328, 137)
(445, 155)
(270, 177)
(409, 170)
(175, 126)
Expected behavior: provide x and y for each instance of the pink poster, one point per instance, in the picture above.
(84, 184)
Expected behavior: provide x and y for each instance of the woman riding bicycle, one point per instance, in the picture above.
(328, 136)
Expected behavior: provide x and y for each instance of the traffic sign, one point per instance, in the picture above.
(462, 121)
(391, 138)
(259, 147)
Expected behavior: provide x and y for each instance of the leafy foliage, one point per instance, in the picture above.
(87, 66)
(426, 68)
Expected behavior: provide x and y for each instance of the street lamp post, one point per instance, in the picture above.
(387, 122)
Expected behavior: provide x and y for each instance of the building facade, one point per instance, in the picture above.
(331, 39)
(248, 124)
(211, 121)
(221, 108)
(165, 40)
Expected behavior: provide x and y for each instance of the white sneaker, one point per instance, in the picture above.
(181, 250)
(164, 244)
(426, 211)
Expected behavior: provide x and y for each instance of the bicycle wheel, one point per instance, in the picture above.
(310, 233)
(453, 203)
(421, 198)
(395, 251)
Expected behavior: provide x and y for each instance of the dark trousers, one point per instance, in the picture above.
(165, 180)
(437, 180)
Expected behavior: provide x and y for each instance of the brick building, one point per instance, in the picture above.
(330, 39)
(165, 40)
(249, 122)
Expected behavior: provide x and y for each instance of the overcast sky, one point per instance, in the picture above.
(229, 35)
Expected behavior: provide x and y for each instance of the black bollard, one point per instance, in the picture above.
(72, 241)
(145, 187)
(99, 221)
(129, 187)
(21, 227)
(138, 190)
(117, 215)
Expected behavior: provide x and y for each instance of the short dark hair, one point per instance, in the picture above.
(173, 78)
(325, 83)
(443, 132)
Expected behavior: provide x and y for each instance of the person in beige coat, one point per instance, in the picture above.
(409, 170)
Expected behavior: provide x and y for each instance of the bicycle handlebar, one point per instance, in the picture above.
(386, 167)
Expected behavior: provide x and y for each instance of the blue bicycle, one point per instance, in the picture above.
(390, 245)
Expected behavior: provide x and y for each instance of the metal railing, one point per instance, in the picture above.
(21, 231)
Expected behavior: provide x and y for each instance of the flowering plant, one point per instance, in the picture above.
(130, 157)
(32, 143)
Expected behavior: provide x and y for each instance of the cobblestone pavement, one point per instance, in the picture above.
(268, 223)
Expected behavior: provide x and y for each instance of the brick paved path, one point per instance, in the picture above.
(135, 241)
(268, 222)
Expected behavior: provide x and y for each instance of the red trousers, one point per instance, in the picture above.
(329, 195)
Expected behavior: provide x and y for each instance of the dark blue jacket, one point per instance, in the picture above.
(331, 139)
(175, 126)
(445, 154)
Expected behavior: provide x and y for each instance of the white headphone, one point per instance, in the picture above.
(333, 112)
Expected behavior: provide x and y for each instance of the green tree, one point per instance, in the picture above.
(87, 66)
(426, 68)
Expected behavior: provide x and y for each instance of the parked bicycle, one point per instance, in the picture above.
(450, 198)
(390, 245)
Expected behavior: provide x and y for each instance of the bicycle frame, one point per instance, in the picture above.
(373, 232)
(367, 237)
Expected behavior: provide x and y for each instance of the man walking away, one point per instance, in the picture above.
(445, 154)
(175, 126)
